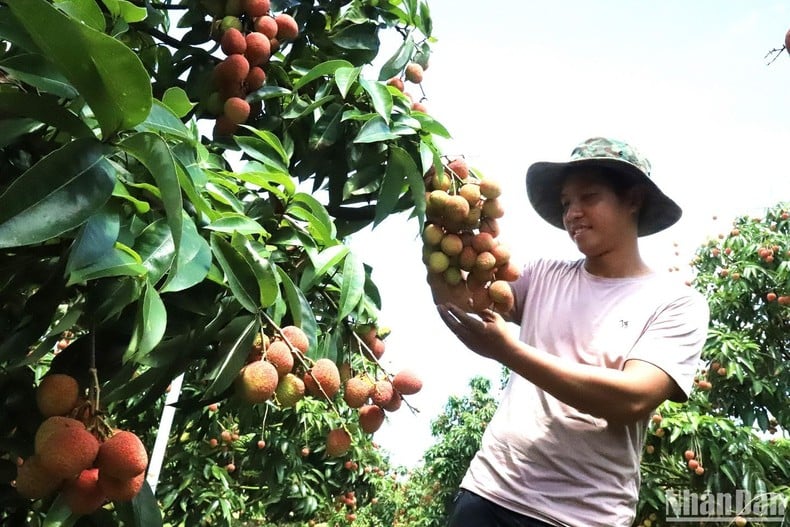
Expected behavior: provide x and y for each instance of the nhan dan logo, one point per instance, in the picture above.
(724, 507)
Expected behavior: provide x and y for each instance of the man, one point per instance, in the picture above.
(603, 341)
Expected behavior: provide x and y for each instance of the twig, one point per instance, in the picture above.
(775, 52)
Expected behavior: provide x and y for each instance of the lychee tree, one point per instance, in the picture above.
(732, 435)
(179, 180)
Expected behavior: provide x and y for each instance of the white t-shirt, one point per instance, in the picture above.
(545, 459)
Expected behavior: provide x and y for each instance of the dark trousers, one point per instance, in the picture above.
(471, 510)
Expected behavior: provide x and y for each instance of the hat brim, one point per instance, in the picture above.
(545, 179)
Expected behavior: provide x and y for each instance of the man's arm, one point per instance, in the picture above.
(619, 396)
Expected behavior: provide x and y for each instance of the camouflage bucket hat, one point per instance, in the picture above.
(544, 182)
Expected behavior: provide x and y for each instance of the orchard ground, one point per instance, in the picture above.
(689, 84)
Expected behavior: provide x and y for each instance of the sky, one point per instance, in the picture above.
(515, 82)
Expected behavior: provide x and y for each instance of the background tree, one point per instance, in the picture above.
(166, 208)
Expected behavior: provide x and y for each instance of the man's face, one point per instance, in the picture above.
(596, 218)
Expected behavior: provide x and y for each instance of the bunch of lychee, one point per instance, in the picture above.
(466, 261)
(89, 465)
(248, 35)
(413, 72)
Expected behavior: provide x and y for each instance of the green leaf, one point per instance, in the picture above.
(194, 259)
(268, 179)
(57, 194)
(85, 11)
(155, 247)
(177, 100)
(113, 82)
(322, 263)
(39, 72)
(96, 238)
(262, 268)
(235, 351)
(321, 70)
(241, 279)
(118, 262)
(398, 164)
(394, 66)
(413, 176)
(363, 36)
(152, 151)
(375, 130)
(319, 218)
(59, 514)
(266, 148)
(150, 326)
(353, 285)
(326, 130)
(120, 191)
(162, 119)
(345, 77)
(124, 9)
(44, 108)
(381, 97)
(234, 222)
(431, 125)
(298, 306)
(143, 509)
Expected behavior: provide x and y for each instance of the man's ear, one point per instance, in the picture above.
(635, 198)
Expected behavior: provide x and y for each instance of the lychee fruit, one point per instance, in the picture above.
(67, 448)
(57, 394)
(456, 209)
(120, 489)
(413, 73)
(255, 8)
(34, 481)
(382, 392)
(490, 188)
(459, 167)
(280, 355)
(257, 381)
(407, 382)
(338, 441)
(470, 192)
(255, 78)
(237, 110)
(509, 272)
(492, 208)
(122, 456)
(230, 74)
(297, 337)
(371, 417)
(224, 127)
(500, 292)
(490, 225)
(394, 403)
(451, 244)
(287, 28)
(467, 258)
(82, 494)
(266, 25)
(325, 374)
(396, 82)
(432, 234)
(233, 42)
(259, 49)
(357, 390)
(290, 390)
(483, 241)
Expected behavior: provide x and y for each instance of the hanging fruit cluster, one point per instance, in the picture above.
(467, 263)
(77, 454)
(248, 35)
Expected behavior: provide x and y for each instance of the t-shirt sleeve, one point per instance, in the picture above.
(673, 340)
(520, 288)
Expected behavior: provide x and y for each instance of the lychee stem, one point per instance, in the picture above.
(95, 391)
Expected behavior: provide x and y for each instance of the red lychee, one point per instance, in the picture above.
(233, 42)
(257, 381)
(237, 110)
(371, 417)
(255, 8)
(280, 355)
(67, 449)
(413, 73)
(83, 494)
(287, 28)
(324, 373)
(34, 481)
(297, 338)
(120, 489)
(338, 441)
(57, 394)
(259, 49)
(266, 25)
(122, 456)
(407, 382)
